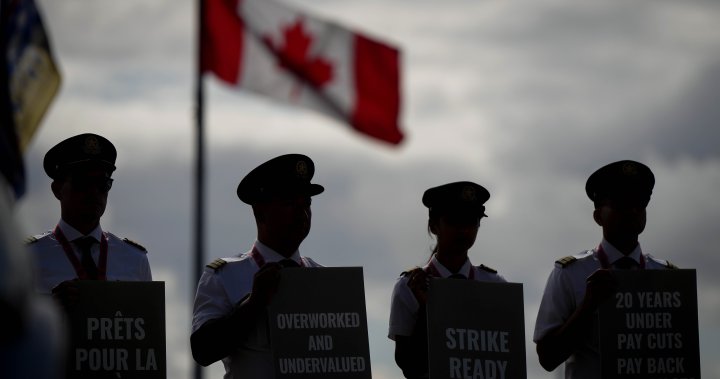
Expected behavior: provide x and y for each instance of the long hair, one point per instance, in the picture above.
(433, 216)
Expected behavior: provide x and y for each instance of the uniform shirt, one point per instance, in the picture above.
(220, 289)
(125, 260)
(404, 306)
(565, 291)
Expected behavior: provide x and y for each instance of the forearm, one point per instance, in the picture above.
(411, 356)
(411, 352)
(558, 345)
(218, 338)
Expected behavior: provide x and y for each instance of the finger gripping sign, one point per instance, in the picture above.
(117, 330)
(318, 324)
(649, 327)
(476, 330)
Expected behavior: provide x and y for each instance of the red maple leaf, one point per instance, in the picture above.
(294, 57)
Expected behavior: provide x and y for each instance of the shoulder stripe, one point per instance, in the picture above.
(133, 243)
(488, 269)
(31, 240)
(216, 264)
(566, 261)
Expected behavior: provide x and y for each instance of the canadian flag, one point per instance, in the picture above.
(269, 48)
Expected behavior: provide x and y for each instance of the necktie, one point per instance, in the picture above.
(85, 244)
(457, 276)
(289, 263)
(625, 263)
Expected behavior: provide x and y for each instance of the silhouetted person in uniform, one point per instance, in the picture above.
(566, 326)
(455, 211)
(78, 248)
(230, 311)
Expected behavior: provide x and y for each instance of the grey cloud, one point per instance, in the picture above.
(689, 125)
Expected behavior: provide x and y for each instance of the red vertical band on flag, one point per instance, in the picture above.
(222, 39)
(377, 84)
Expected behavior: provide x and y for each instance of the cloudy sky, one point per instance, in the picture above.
(525, 98)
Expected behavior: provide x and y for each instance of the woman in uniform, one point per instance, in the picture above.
(455, 211)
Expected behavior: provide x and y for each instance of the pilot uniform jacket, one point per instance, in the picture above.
(223, 284)
(404, 306)
(565, 291)
(126, 260)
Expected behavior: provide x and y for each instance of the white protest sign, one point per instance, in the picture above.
(318, 324)
(117, 330)
(476, 330)
(649, 327)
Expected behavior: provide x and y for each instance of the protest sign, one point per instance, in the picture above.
(117, 330)
(476, 330)
(318, 324)
(649, 327)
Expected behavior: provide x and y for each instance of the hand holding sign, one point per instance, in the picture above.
(418, 283)
(600, 285)
(265, 284)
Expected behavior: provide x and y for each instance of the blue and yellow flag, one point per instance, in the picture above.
(29, 80)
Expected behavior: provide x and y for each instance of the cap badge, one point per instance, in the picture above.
(92, 145)
(629, 169)
(468, 194)
(301, 170)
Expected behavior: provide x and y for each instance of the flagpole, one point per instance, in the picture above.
(199, 165)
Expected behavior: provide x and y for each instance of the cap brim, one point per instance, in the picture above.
(460, 210)
(82, 164)
(309, 189)
(315, 189)
(251, 197)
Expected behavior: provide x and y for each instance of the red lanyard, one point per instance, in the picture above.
(70, 253)
(260, 261)
(605, 263)
(432, 270)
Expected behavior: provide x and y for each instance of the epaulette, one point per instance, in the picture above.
(488, 269)
(667, 264)
(133, 243)
(30, 240)
(567, 261)
(216, 264)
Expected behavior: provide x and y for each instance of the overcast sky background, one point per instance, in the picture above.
(525, 98)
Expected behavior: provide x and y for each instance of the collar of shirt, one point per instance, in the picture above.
(614, 254)
(72, 234)
(270, 255)
(444, 272)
